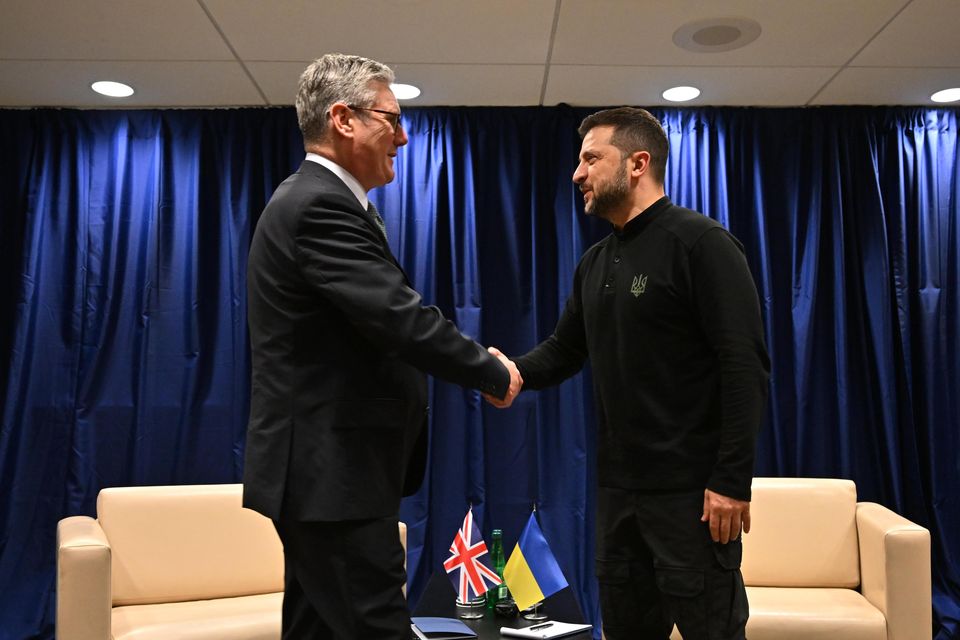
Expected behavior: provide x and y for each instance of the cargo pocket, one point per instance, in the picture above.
(682, 583)
(683, 595)
(729, 608)
(616, 594)
(729, 555)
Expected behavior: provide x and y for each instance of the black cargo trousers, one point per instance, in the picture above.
(657, 566)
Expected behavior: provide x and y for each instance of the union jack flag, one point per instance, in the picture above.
(467, 565)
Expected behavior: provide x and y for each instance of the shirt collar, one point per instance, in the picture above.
(643, 218)
(344, 175)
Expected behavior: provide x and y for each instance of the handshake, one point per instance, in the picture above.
(516, 381)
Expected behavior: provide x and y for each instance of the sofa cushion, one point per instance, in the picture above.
(245, 618)
(810, 614)
(168, 548)
(803, 534)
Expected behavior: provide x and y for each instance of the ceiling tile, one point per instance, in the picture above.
(766, 86)
(804, 34)
(473, 84)
(108, 30)
(429, 31)
(926, 33)
(170, 84)
(879, 86)
(450, 85)
(278, 80)
(477, 53)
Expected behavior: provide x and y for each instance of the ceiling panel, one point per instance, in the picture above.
(492, 52)
(804, 34)
(926, 33)
(108, 30)
(871, 85)
(427, 31)
(449, 85)
(760, 86)
(277, 80)
(473, 84)
(171, 84)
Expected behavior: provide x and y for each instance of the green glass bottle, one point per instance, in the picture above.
(498, 562)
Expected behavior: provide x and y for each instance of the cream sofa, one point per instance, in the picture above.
(182, 562)
(818, 565)
(189, 563)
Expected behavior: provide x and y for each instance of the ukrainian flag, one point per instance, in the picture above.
(532, 573)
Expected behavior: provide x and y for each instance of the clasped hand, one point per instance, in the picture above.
(516, 381)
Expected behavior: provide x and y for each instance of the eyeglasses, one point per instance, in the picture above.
(392, 118)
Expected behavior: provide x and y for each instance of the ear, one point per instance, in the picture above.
(341, 119)
(641, 163)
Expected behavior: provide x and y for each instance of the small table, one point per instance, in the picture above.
(439, 599)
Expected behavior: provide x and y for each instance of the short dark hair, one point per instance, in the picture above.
(634, 129)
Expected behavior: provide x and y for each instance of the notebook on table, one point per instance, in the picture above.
(428, 628)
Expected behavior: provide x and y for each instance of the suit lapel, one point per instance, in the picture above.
(333, 183)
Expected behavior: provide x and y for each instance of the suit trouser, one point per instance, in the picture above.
(657, 565)
(343, 580)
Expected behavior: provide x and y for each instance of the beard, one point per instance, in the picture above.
(610, 197)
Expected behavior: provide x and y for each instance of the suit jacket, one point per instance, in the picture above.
(340, 342)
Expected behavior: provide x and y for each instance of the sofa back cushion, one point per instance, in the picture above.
(182, 543)
(803, 534)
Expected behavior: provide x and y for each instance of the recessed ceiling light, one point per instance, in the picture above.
(680, 94)
(947, 95)
(716, 34)
(112, 89)
(404, 91)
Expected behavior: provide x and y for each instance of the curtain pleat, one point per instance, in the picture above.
(123, 343)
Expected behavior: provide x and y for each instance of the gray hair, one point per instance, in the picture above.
(336, 77)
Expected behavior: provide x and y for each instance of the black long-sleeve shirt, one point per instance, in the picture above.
(667, 312)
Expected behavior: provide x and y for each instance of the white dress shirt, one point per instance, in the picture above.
(344, 175)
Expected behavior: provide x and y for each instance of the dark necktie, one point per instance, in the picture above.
(372, 210)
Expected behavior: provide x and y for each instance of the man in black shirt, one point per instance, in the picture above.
(667, 312)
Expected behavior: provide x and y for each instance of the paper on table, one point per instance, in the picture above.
(554, 630)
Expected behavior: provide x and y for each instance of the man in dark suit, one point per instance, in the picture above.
(340, 342)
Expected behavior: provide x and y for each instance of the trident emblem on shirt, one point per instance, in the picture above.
(639, 285)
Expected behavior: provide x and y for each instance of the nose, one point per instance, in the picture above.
(400, 135)
(580, 174)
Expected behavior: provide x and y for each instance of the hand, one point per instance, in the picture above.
(516, 381)
(726, 516)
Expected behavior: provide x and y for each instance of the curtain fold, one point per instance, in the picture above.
(123, 240)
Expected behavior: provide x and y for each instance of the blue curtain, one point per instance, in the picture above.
(123, 240)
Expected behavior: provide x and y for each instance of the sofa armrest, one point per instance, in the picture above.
(84, 598)
(403, 543)
(895, 571)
